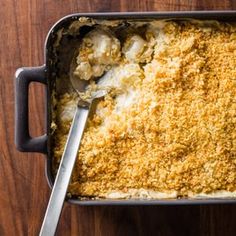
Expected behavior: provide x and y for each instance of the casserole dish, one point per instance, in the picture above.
(47, 75)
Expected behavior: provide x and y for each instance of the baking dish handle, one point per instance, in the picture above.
(24, 142)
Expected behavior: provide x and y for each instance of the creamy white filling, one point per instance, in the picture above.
(122, 77)
(140, 193)
(68, 111)
(125, 100)
(136, 48)
(150, 194)
(217, 194)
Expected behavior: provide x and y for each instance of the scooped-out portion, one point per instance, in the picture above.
(98, 52)
(166, 127)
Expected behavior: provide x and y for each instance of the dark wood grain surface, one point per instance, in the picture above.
(23, 188)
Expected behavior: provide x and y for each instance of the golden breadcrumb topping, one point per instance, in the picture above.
(177, 133)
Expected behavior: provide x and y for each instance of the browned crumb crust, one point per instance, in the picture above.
(181, 133)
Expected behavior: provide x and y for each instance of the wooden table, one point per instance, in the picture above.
(24, 191)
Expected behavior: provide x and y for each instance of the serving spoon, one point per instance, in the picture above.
(68, 159)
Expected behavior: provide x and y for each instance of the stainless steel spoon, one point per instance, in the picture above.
(64, 172)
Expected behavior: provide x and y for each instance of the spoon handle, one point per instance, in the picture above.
(62, 180)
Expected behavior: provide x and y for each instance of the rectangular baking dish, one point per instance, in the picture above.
(46, 75)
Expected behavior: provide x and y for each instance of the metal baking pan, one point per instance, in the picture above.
(45, 74)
